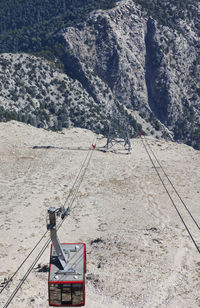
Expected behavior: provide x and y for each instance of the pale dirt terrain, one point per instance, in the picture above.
(144, 258)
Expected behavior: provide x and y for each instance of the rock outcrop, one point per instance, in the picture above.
(38, 93)
(129, 57)
(151, 69)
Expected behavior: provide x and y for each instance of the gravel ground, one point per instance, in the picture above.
(138, 251)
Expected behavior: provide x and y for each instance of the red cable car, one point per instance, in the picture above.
(66, 271)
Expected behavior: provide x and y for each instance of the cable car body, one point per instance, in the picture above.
(66, 284)
(67, 288)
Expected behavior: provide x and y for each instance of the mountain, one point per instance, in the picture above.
(27, 25)
(37, 92)
(142, 56)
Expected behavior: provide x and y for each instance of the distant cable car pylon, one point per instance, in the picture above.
(118, 133)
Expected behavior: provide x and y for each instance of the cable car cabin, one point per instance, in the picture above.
(67, 286)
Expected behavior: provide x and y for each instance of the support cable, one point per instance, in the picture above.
(172, 185)
(11, 278)
(23, 262)
(59, 225)
(79, 184)
(77, 177)
(171, 198)
(27, 273)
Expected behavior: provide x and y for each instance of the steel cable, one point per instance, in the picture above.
(27, 273)
(172, 185)
(23, 262)
(79, 184)
(30, 253)
(194, 242)
(77, 178)
(59, 225)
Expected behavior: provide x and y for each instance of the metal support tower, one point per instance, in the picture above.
(118, 131)
(62, 255)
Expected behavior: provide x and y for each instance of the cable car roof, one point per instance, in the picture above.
(75, 268)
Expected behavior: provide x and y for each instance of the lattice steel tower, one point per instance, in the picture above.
(118, 133)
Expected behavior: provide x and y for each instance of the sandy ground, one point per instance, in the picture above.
(144, 257)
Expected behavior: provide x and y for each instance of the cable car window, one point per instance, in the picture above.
(66, 294)
(77, 293)
(55, 294)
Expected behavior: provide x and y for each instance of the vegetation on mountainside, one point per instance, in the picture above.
(168, 13)
(26, 25)
(35, 92)
(34, 26)
(176, 15)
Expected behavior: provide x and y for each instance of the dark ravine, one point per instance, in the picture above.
(150, 68)
(158, 96)
(128, 55)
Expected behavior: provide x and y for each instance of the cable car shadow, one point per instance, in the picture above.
(42, 268)
(50, 147)
(104, 150)
(100, 149)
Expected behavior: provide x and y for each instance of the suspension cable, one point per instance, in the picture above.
(11, 278)
(27, 273)
(79, 184)
(59, 225)
(71, 190)
(170, 197)
(172, 185)
(23, 262)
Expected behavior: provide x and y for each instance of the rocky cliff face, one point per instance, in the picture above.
(151, 69)
(140, 56)
(38, 93)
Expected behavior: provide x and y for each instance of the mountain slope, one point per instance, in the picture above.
(141, 56)
(27, 25)
(36, 92)
(152, 69)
